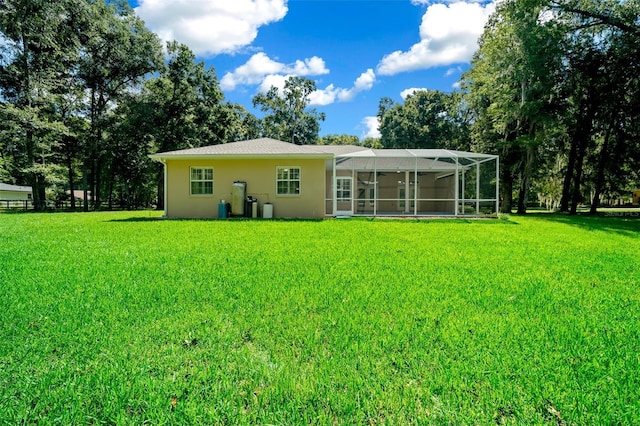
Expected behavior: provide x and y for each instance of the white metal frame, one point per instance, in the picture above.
(458, 163)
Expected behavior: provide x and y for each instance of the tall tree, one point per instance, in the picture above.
(34, 60)
(117, 53)
(132, 140)
(186, 107)
(289, 118)
(427, 119)
(602, 58)
(511, 90)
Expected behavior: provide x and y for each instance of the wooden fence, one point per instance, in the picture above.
(28, 205)
(16, 204)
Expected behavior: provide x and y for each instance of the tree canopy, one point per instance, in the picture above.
(289, 117)
(87, 93)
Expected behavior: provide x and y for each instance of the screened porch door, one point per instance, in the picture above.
(344, 196)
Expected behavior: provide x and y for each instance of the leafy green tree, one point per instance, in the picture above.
(289, 118)
(372, 143)
(186, 109)
(339, 140)
(601, 79)
(68, 152)
(183, 96)
(550, 88)
(242, 125)
(511, 91)
(427, 119)
(117, 53)
(33, 64)
(132, 140)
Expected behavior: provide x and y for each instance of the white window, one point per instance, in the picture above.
(287, 180)
(343, 188)
(201, 180)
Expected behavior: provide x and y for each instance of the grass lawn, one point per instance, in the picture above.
(120, 318)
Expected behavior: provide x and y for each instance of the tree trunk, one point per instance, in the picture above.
(583, 136)
(110, 190)
(85, 192)
(523, 194)
(577, 178)
(602, 163)
(97, 198)
(566, 184)
(72, 183)
(507, 190)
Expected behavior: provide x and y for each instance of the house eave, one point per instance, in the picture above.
(163, 158)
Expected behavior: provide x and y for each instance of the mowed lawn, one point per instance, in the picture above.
(124, 318)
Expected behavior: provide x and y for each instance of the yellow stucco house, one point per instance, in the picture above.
(317, 181)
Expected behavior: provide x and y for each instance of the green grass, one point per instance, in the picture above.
(120, 318)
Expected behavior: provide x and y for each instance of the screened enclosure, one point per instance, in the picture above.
(412, 182)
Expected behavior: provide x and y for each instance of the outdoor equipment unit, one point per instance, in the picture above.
(238, 191)
(267, 210)
(249, 206)
(223, 211)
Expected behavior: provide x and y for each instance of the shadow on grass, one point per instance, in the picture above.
(229, 220)
(624, 224)
(137, 219)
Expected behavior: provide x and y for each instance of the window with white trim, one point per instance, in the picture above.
(343, 188)
(287, 180)
(201, 180)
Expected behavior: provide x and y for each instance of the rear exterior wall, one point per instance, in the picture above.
(260, 176)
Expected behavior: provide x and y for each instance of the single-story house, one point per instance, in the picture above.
(316, 181)
(78, 194)
(15, 192)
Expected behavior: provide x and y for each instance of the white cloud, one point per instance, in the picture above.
(448, 35)
(332, 94)
(210, 27)
(325, 96)
(275, 80)
(263, 71)
(311, 66)
(411, 91)
(260, 68)
(371, 123)
(365, 81)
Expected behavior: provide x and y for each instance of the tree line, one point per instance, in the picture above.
(87, 92)
(553, 90)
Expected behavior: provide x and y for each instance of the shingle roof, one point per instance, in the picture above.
(267, 147)
(253, 147)
(16, 188)
(341, 149)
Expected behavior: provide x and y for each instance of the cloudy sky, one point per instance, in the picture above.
(357, 51)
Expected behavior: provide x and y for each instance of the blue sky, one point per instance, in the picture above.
(357, 51)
